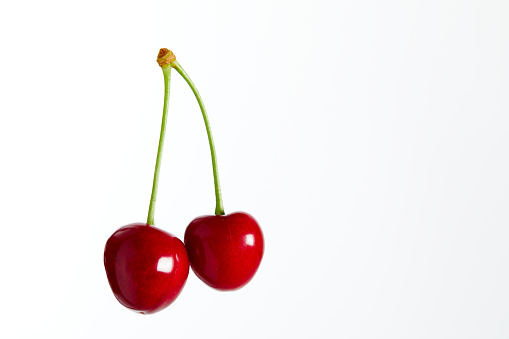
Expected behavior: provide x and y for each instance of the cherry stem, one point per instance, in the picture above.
(219, 201)
(151, 209)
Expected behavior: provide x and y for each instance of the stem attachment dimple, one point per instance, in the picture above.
(219, 201)
(167, 76)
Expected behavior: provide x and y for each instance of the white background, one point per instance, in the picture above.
(369, 139)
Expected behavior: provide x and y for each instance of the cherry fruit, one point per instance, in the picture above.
(224, 250)
(146, 267)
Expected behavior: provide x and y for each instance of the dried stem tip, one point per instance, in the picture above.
(165, 57)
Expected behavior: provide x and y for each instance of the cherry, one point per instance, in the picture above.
(146, 267)
(224, 251)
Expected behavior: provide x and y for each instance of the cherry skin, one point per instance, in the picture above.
(146, 267)
(224, 251)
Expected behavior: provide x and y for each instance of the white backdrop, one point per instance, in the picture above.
(369, 139)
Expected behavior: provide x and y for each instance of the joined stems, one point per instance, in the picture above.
(151, 209)
(219, 201)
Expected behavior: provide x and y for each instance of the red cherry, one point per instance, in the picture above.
(224, 251)
(146, 267)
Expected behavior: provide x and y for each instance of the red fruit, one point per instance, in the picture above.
(146, 267)
(224, 251)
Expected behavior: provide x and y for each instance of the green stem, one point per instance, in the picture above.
(219, 201)
(151, 209)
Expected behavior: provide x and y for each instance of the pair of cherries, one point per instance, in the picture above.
(148, 267)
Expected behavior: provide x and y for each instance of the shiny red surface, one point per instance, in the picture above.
(224, 251)
(146, 267)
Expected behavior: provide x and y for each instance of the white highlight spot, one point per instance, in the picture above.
(165, 264)
(249, 239)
